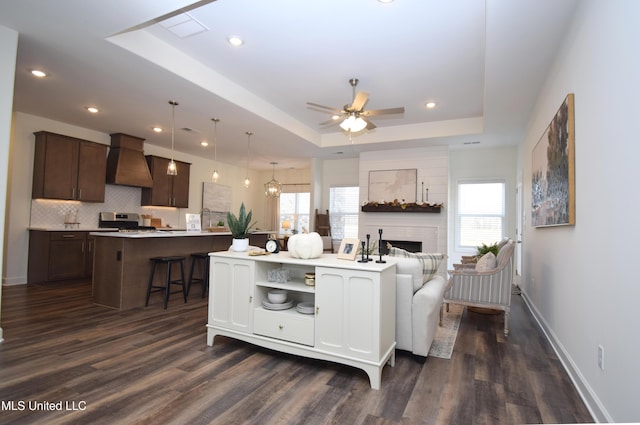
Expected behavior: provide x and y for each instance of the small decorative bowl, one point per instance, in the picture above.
(277, 296)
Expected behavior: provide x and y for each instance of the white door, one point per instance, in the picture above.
(231, 294)
(519, 224)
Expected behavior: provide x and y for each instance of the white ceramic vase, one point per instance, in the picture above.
(240, 245)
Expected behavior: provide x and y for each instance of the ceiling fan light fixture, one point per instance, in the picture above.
(353, 124)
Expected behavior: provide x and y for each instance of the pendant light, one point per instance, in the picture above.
(172, 170)
(215, 175)
(247, 182)
(273, 188)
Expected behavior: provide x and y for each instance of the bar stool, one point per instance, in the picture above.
(203, 258)
(168, 262)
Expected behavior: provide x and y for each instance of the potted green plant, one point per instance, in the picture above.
(484, 248)
(239, 227)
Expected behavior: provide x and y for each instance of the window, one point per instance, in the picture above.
(481, 213)
(344, 206)
(294, 208)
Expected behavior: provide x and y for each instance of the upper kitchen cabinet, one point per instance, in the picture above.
(68, 168)
(167, 191)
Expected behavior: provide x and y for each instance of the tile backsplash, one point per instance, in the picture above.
(50, 214)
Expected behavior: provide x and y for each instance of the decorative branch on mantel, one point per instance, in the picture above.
(401, 206)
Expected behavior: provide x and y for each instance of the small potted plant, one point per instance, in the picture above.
(239, 228)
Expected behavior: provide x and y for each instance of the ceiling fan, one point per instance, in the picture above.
(354, 117)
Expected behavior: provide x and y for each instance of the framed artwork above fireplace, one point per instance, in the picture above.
(387, 185)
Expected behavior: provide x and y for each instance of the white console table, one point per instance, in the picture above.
(354, 320)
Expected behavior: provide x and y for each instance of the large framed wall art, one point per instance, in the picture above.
(387, 185)
(552, 171)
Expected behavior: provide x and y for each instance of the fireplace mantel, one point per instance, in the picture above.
(413, 208)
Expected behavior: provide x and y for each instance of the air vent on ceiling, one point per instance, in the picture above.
(183, 25)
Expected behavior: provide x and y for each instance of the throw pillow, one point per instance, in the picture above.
(429, 262)
(486, 262)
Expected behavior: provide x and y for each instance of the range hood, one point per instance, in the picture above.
(126, 164)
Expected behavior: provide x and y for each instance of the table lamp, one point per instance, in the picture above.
(286, 225)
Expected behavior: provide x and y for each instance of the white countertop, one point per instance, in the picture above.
(326, 260)
(80, 229)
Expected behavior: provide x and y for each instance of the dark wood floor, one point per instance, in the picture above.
(150, 366)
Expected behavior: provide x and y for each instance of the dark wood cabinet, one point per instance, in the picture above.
(60, 255)
(167, 191)
(66, 255)
(88, 255)
(68, 168)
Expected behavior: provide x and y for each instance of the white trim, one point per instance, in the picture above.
(592, 402)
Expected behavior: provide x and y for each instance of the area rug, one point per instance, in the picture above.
(446, 334)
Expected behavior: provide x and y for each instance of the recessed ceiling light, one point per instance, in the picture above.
(38, 73)
(92, 109)
(204, 143)
(234, 40)
(385, 1)
(157, 129)
(430, 105)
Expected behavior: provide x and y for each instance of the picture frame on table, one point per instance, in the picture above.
(348, 248)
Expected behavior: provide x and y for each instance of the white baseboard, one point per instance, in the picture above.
(10, 281)
(596, 408)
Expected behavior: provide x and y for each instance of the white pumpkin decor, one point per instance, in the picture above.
(305, 245)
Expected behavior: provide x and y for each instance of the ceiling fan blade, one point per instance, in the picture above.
(388, 111)
(359, 101)
(330, 122)
(370, 125)
(328, 108)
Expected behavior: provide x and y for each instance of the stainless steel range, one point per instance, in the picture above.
(124, 222)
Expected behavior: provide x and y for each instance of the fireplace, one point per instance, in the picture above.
(411, 238)
(411, 246)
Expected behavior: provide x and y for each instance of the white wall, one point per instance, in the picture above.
(337, 172)
(8, 51)
(482, 163)
(582, 280)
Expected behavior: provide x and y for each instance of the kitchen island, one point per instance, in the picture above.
(121, 261)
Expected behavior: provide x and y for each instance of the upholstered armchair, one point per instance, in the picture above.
(482, 286)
